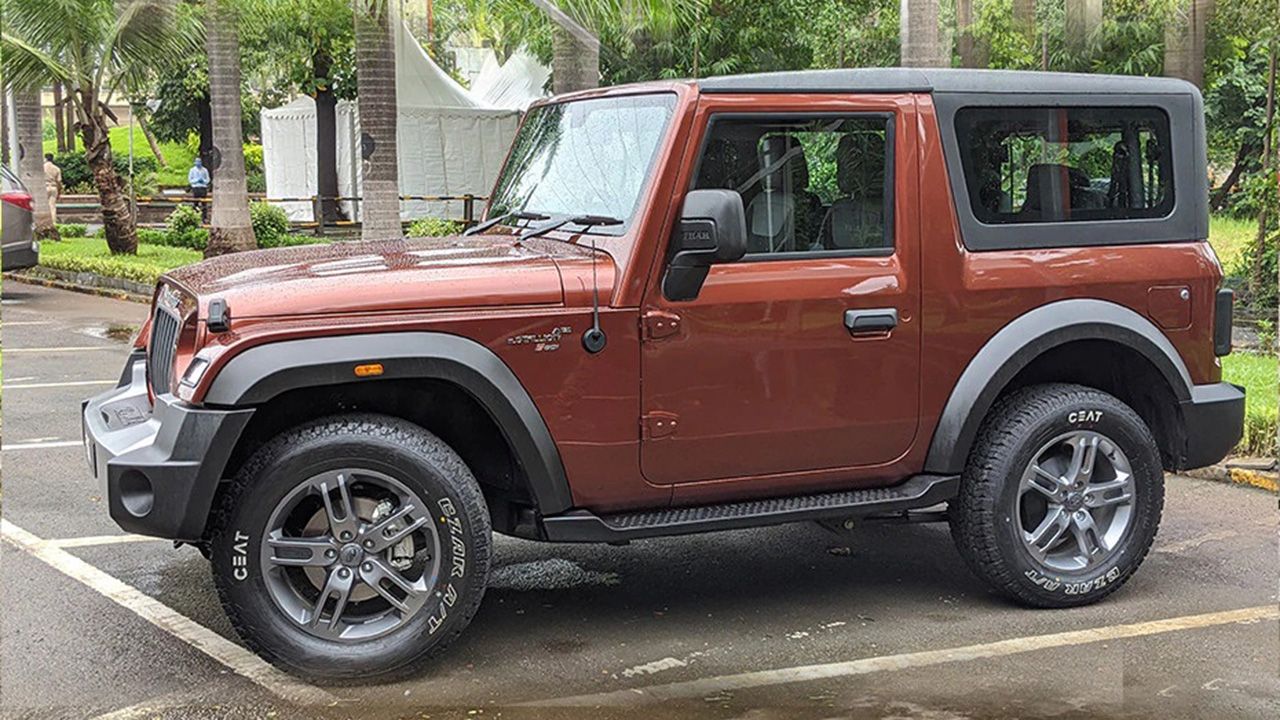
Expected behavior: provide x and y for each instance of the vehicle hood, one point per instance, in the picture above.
(384, 276)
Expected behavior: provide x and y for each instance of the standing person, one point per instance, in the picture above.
(52, 185)
(198, 181)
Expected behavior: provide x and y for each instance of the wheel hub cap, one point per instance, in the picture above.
(1075, 502)
(351, 555)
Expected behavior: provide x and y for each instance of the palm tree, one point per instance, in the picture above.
(921, 46)
(28, 123)
(95, 48)
(231, 229)
(376, 101)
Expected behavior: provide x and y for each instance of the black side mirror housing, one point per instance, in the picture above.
(712, 229)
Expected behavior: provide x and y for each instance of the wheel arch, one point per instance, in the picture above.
(1010, 356)
(266, 373)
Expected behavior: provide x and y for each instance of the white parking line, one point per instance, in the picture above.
(94, 540)
(41, 445)
(707, 687)
(69, 348)
(11, 323)
(237, 659)
(69, 383)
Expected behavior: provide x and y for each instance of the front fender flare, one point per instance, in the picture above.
(260, 373)
(1020, 342)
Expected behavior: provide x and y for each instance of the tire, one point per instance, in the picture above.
(995, 520)
(382, 468)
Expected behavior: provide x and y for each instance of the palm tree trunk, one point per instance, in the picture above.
(1257, 276)
(117, 220)
(27, 121)
(574, 65)
(966, 44)
(921, 45)
(376, 82)
(151, 138)
(59, 119)
(231, 229)
(326, 143)
(1184, 42)
(1082, 18)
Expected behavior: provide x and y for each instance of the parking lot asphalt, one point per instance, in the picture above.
(783, 622)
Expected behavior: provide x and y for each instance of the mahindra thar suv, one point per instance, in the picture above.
(977, 297)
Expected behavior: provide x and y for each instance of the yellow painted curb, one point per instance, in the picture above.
(1253, 478)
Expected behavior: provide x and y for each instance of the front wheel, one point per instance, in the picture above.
(353, 547)
(1061, 497)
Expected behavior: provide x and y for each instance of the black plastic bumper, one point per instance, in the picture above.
(1214, 422)
(161, 465)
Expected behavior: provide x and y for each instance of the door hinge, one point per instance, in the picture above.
(658, 424)
(659, 324)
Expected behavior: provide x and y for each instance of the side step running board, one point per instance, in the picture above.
(920, 491)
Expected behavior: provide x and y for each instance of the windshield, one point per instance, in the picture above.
(585, 157)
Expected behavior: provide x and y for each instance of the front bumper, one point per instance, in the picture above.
(1213, 420)
(160, 464)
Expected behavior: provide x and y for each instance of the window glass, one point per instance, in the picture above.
(584, 157)
(1027, 165)
(807, 185)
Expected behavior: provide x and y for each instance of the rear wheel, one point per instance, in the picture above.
(1061, 498)
(351, 548)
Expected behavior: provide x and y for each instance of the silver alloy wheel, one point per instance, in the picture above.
(1075, 501)
(337, 567)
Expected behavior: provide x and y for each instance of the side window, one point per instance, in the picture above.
(809, 185)
(1028, 165)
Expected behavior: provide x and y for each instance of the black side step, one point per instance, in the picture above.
(920, 491)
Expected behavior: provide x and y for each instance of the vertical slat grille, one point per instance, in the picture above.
(164, 346)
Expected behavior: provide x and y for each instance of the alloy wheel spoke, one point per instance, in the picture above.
(394, 528)
(1088, 538)
(338, 589)
(375, 572)
(300, 551)
(1050, 530)
(1045, 482)
(1084, 453)
(343, 521)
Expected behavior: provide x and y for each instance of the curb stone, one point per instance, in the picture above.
(1253, 472)
(83, 282)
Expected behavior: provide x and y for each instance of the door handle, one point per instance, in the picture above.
(871, 321)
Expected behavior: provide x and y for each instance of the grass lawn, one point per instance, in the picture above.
(1257, 373)
(1230, 237)
(92, 255)
(177, 156)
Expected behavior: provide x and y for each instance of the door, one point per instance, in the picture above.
(805, 354)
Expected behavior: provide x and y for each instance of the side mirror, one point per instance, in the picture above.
(712, 229)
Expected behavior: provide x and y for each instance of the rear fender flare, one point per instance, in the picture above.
(260, 373)
(1020, 342)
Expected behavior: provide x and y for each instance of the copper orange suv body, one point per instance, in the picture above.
(831, 297)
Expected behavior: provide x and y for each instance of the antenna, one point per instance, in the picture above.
(593, 340)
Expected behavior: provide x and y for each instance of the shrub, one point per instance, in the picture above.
(71, 230)
(151, 236)
(270, 224)
(434, 227)
(183, 218)
(256, 182)
(252, 158)
(76, 172)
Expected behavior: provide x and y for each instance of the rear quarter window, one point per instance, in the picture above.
(1065, 164)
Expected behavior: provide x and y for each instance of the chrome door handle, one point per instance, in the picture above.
(871, 321)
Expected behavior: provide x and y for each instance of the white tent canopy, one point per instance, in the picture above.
(451, 141)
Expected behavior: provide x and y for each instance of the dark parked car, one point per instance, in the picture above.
(840, 296)
(17, 228)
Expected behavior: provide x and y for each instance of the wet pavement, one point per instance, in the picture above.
(784, 622)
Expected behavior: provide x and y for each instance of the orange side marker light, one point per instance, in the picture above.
(369, 370)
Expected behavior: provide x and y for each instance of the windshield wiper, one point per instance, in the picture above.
(517, 215)
(586, 221)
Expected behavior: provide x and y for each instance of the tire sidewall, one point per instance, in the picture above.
(236, 556)
(1121, 426)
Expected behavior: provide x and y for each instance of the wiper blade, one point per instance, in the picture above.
(586, 221)
(517, 215)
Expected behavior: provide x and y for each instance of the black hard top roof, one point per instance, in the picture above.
(943, 80)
